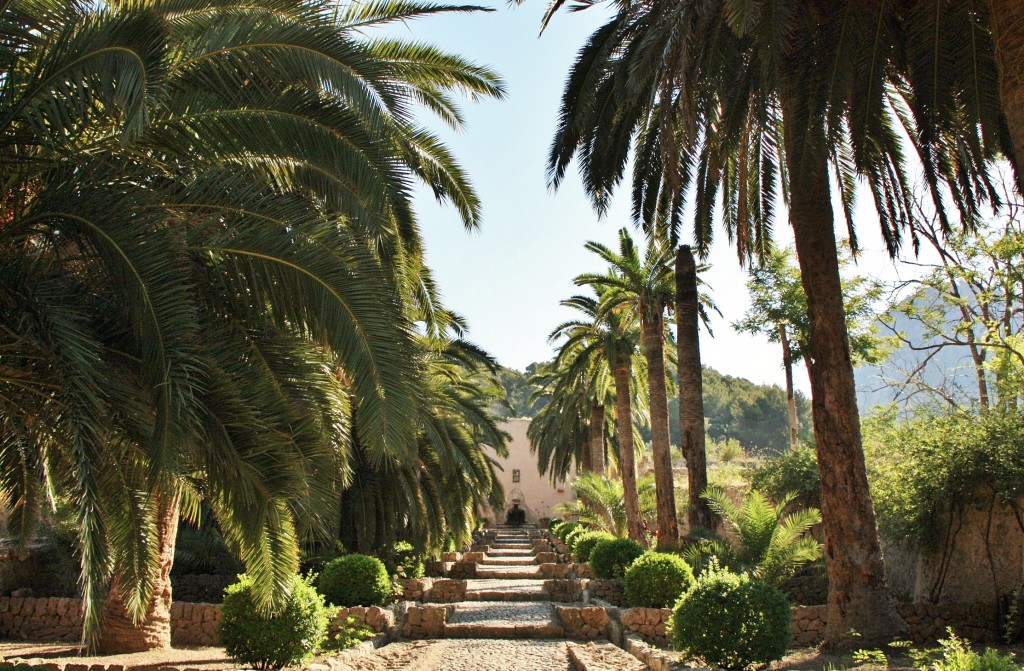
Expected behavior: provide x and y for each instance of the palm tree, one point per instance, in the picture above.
(766, 541)
(1005, 18)
(642, 289)
(733, 99)
(187, 216)
(600, 503)
(614, 339)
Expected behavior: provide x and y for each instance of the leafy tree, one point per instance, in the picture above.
(518, 390)
(778, 310)
(971, 300)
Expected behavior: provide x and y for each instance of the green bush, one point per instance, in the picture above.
(731, 621)
(572, 536)
(794, 473)
(401, 560)
(355, 580)
(585, 542)
(611, 558)
(348, 635)
(563, 529)
(287, 638)
(656, 580)
(956, 655)
(554, 523)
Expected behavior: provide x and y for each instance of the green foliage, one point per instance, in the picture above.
(554, 523)
(518, 391)
(955, 654)
(349, 634)
(656, 580)
(767, 543)
(563, 530)
(355, 580)
(272, 642)
(584, 543)
(731, 621)
(935, 463)
(793, 473)
(401, 560)
(611, 558)
(570, 538)
(600, 502)
(726, 450)
(755, 415)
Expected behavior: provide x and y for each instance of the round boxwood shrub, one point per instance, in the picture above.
(611, 558)
(261, 642)
(570, 538)
(564, 529)
(732, 621)
(355, 580)
(656, 580)
(584, 543)
(402, 560)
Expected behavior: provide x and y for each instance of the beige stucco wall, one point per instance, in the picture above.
(534, 492)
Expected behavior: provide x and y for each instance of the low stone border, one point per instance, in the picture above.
(655, 658)
(345, 660)
(602, 657)
(425, 620)
(649, 623)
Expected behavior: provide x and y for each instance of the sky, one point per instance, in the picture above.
(508, 277)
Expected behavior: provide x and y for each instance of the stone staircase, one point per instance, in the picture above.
(507, 599)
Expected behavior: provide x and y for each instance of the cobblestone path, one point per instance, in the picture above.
(506, 623)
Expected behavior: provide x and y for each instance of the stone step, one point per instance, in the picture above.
(507, 561)
(503, 620)
(496, 589)
(500, 545)
(510, 552)
(508, 572)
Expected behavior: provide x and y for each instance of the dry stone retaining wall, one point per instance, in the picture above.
(60, 619)
(611, 591)
(584, 622)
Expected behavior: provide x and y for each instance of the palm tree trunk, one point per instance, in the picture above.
(118, 632)
(787, 362)
(652, 328)
(1007, 21)
(858, 598)
(624, 431)
(691, 390)
(596, 436)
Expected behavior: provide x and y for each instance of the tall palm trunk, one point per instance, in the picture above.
(118, 632)
(1007, 20)
(858, 599)
(787, 362)
(596, 436)
(691, 389)
(652, 334)
(624, 431)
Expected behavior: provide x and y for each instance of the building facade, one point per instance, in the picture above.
(525, 488)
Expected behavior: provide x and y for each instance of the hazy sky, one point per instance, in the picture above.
(508, 278)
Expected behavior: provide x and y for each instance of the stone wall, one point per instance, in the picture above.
(584, 622)
(415, 589)
(808, 623)
(611, 591)
(425, 621)
(60, 619)
(199, 588)
(647, 623)
(447, 591)
(375, 618)
(565, 591)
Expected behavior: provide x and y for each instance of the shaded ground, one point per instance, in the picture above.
(468, 655)
(205, 659)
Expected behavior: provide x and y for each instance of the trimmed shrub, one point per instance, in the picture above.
(290, 637)
(732, 621)
(584, 543)
(657, 580)
(401, 560)
(355, 580)
(611, 558)
(570, 538)
(563, 529)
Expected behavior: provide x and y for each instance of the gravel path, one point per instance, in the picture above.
(468, 655)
